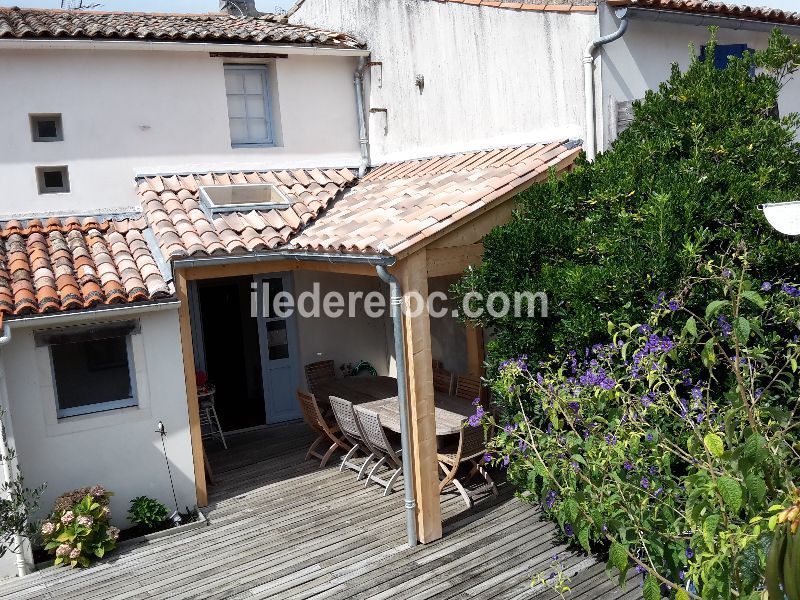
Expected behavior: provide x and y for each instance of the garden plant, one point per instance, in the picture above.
(674, 444)
(149, 514)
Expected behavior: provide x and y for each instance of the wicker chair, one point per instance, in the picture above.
(326, 431)
(468, 387)
(381, 447)
(351, 428)
(319, 371)
(471, 449)
(442, 379)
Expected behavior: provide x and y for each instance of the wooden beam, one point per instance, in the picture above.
(198, 455)
(239, 269)
(413, 278)
(475, 355)
(453, 260)
(475, 230)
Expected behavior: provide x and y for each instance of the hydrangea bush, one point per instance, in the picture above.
(673, 445)
(78, 529)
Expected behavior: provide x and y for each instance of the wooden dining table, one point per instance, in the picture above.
(379, 394)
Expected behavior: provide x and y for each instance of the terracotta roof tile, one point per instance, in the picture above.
(735, 11)
(66, 264)
(265, 29)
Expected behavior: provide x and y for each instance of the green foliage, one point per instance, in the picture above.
(78, 530)
(150, 514)
(673, 463)
(679, 186)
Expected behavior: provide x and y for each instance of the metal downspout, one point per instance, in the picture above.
(588, 79)
(396, 300)
(22, 560)
(358, 82)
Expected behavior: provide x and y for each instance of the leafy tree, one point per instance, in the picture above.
(679, 186)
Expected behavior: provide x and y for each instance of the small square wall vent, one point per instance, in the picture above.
(244, 197)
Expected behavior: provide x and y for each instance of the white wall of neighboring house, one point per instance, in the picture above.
(128, 112)
(492, 76)
(118, 449)
(345, 339)
(643, 57)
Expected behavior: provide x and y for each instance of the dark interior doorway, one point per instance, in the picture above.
(233, 362)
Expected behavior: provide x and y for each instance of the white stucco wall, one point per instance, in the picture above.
(344, 339)
(492, 76)
(118, 449)
(642, 59)
(151, 111)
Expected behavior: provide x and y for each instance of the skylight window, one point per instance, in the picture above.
(244, 197)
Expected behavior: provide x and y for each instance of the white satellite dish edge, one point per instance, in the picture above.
(783, 216)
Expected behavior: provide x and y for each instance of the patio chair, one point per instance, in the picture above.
(351, 428)
(319, 371)
(326, 430)
(381, 447)
(468, 387)
(442, 379)
(471, 448)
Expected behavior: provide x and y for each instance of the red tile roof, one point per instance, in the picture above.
(182, 228)
(394, 207)
(212, 27)
(69, 264)
(733, 11)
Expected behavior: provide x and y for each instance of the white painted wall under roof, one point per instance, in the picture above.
(118, 449)
(128, 112)
(642, 59)
(492, 76)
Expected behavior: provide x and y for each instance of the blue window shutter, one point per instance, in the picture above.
(723, 51)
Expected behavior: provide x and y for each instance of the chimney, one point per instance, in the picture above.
(239, 8)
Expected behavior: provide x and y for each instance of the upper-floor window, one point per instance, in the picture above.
(723, 52)
(52, 180)
(247, 88)
(46, 128)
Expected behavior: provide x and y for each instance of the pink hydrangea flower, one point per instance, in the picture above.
(67, 517)
(85, 521)
(48, 528)
(75, 553)
(63, 550)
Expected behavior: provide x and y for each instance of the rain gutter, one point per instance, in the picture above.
(363, 139)
(706, 20)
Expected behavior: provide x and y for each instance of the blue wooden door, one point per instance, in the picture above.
(277, 336)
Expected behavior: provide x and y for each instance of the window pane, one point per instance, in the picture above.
(254, 82)
(234, 82)
(47, 128)
(239, 131)
(255, 106)
(258, 130)
(277, 340)
(236, 106)
(272, 287)
(91, 372)
(53, 179)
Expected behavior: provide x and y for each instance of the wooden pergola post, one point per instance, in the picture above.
(413, 276)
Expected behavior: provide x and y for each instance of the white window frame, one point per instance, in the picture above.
(45, 189)
(55, 117)
(132, 401)
(263, 71)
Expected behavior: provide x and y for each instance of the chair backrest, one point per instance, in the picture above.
(373, 430)
(311, 413)
(346, 418)
(319, 371)
(472, 442)
(442, 380)
(468, 387)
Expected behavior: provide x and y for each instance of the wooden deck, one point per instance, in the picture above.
(281, 528)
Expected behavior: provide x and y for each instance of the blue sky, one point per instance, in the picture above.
(269, 5)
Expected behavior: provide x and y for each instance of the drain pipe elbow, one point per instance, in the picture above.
(588, 79)
(363, 139)
(396, 302)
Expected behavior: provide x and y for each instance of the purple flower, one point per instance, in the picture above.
(509, 428)
(791, 290)
(522, 446)
(474, 420)
(681, 575)
(766, 286)
(653, 470)
(487, 457)
(550, 499)
(506, 460)
(477, 401)
(649, 437)
(726, 273)
(696, 393)
(611, 439)
(575, 406)
(645, 482)
(568, 529)
(673, 305)
(689, 552)
(628, 466)
(724, 325)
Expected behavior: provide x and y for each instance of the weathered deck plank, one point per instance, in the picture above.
(281, 528)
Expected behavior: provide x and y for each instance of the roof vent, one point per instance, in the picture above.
(242, 197)
(239, 8)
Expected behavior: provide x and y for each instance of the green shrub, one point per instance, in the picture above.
(78, 530)
(148, 513)
(679, 185)
(673, 444)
